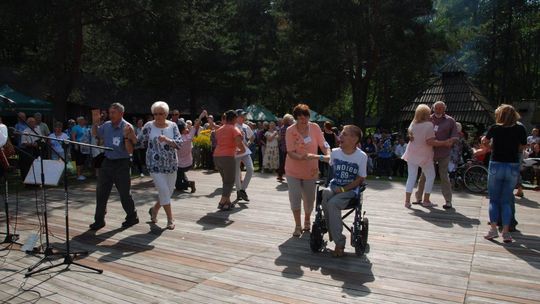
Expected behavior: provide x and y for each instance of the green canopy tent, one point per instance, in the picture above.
(259, 113)
(22, 103)
(316, 117)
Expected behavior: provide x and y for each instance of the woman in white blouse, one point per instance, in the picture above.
(162, 139)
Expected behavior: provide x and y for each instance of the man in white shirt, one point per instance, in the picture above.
(349, 168)
(29, 145)
(399, 164)
(245, 158)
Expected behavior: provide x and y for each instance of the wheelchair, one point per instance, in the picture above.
(359, 229)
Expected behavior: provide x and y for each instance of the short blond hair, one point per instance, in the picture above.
(421, 113)
(506, 115)
(355, 130)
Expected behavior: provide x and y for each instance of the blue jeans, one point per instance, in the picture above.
(502, 180)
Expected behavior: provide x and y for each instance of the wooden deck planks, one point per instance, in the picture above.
(248, 256)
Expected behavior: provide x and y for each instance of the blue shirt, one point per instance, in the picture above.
(386, 150)
(113, 137)
(79, 132)
(19, 127)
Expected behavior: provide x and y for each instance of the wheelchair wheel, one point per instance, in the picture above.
(316, 241)
(475, 179)
(365, 231)
(358, 237)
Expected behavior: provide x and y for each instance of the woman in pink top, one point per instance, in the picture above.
(229, 143)
(302, 139)
(419, 153)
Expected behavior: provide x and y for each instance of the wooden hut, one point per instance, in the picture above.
(463, 100)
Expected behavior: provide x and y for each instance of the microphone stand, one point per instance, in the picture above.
(68, 255)
(11, 238)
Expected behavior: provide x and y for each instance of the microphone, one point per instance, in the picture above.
(7, 100)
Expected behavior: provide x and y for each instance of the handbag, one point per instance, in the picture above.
(8, 149)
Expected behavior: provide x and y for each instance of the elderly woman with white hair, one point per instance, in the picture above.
(162, 138)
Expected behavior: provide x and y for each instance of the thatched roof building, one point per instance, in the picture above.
(463, 100)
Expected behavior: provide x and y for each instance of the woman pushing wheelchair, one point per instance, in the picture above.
(349, 170)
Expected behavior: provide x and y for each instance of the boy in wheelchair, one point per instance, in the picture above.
(348, 171)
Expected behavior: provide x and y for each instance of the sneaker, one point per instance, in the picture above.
(448, 205)
(390, 178)
(129, 223)
(492, 233)
(377, 177)
(81, 177)
(97, 225)
(507, 238)
(244, 195)
(238, 196)
(142, 174)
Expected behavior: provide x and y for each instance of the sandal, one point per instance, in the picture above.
(428, 205)
(507, 238)
(408, 205)
(307, 226)
(297, 231)
(170, 225)
(153, 218)
(226, 206)
(338, 252)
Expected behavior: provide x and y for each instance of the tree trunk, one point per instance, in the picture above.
(359, 97)
(68, 73)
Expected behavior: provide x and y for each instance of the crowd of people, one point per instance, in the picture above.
(292, 147)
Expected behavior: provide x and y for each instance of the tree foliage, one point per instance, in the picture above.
(349, 59)
(499, 42)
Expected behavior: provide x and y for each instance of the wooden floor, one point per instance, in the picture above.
(247, 255)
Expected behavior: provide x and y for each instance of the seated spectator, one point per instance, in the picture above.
(56, 143)
(533, 173)
(40, 124)
(481, 152)
(534, 138)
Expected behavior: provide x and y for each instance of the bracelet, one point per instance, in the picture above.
(321, 157)
(342, 189)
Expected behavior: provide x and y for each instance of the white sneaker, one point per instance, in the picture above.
(377, 177)
(81, 178)
(390, 178)
(142, 174)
